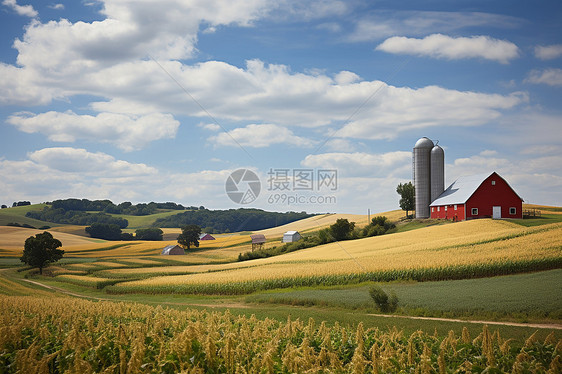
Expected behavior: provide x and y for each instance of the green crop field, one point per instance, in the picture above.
(513, 296)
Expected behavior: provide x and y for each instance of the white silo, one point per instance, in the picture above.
(437, 172)
(422, 176)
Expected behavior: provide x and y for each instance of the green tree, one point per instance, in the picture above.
(149, 234)
(107, 231)
(342, 229)
(407, 196)
(189, 235)
(41, 250)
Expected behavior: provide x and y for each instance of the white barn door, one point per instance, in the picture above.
(496, 212)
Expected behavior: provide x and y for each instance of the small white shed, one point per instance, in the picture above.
(291, 236)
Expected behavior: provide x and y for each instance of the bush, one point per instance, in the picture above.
(382, 300)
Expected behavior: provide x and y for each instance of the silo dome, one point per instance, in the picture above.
(424, 143)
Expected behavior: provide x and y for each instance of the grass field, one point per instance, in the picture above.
(513, 296)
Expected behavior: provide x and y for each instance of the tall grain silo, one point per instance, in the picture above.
(437, 172)
(422, 176)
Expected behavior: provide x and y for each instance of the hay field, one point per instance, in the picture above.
(466, 243)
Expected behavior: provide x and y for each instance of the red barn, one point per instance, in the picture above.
(478, 196)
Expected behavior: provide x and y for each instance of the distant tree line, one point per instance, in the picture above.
(107, 206)
(76, 217)
(86, 212)
(109, 231)
(232, 220)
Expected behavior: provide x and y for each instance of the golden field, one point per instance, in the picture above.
(470, 242)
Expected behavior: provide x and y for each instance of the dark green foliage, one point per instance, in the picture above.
(149, 234)
(189, 235)
(342, 229)
(107, 231)
(384, 302)
(21, 203)
(407, 196)
(41, 250)
(306, 242)
(379, 225)
(127, 236)
(27, 226)
(75, 217)
(232, 220)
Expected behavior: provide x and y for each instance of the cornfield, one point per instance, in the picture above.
(484, 248)
(56, 335)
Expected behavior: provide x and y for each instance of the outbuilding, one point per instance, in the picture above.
(173, 250)
(206, 236)
(291, 236)
(258, 240)
(478, 196)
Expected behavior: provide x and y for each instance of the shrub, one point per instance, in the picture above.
(382, 300)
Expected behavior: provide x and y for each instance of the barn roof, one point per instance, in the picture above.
(258, 238)
(291, 233)
(171, 248)
(462, 189)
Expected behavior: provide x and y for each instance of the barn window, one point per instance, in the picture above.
(512, 210)
(438, 208)
(432, 209)
(474, 211)
(445, 208)
(493, 183)
(455, 206)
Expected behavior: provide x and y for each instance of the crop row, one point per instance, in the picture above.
(465, 271)
(56, 335)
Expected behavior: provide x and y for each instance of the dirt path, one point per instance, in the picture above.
(241, 305)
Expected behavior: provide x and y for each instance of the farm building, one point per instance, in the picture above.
(478, 196)
(173, 250)
(206, 236)
(258, 240)
(291, 236)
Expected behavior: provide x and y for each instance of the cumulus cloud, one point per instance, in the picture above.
(22, 10)
(61, 172)
(73, 160)
(383, 24)
(259, 136)
(548, 52)
(551, 77)
(127, 132)
(397, 109)
(360, 163)
(443, 46)
(58, 6)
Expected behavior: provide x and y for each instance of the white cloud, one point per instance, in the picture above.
(58, 6)
(78, 160)
(359, 164)
(127, 132)
(551, 77)
(443, 46)
(259, 136)
(548, 52)
(396, 110)
(22, 10)
(62, 172)
(383, 24)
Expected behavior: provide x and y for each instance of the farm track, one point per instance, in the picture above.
(550, 326)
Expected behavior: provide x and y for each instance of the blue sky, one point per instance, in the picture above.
(162, 100)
